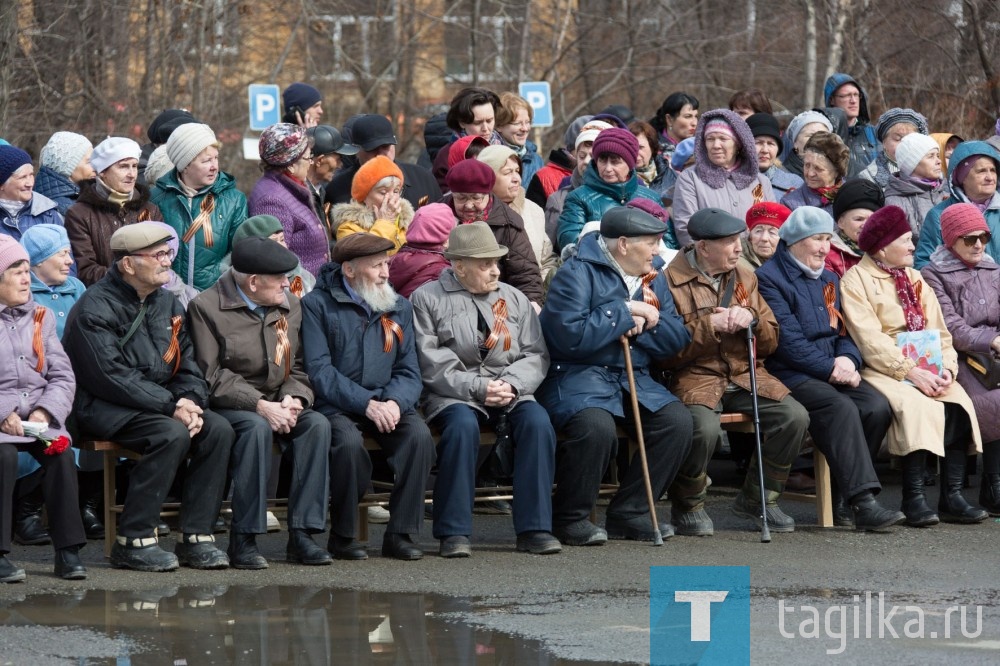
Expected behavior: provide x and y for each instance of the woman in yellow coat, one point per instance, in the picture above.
(376, 205)
(883, 296)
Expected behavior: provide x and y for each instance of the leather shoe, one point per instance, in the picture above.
(302, 549)
(400, 546)
(538, 543)
(68, 565)
(638, 528)
(492, 508)
(870, 516)
(142, 556)
(8, 572)
(455, 546)
(580, 533)
(93, 527)
(842, 512)
(243, 553)
(198, 551)
(346, 548)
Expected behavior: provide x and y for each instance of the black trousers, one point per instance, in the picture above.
(847, 424)
(592, 442)
(410, 453)
(58, 486)
(164, 443)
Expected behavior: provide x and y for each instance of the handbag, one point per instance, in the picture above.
(985, 368)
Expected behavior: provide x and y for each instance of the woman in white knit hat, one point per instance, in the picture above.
(107, 201)
(920, 183)
(200, 202)
(63, 164)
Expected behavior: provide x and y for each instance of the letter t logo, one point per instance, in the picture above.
(701, 610)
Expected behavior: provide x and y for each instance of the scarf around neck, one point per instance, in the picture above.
(908, 295)
(647, 173)
(852, 245)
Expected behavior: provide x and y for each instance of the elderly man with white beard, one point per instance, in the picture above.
(358, 340)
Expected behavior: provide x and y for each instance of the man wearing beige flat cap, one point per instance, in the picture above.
(144, 390)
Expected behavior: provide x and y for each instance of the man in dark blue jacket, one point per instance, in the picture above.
(358, 340)
(819, 363)
(612, 290)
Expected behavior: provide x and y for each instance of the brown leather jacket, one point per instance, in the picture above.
(700, 373)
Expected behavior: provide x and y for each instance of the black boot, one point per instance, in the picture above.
(243, 553)
(989, 493)
(842, 515)
(91, 491)
(918, 514)
(870, 516)
(68, 565)
(951, 504)
(28, 527)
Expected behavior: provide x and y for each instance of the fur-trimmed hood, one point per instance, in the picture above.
(746, 170)
(364, 217)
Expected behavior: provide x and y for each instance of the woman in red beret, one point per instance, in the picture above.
(966, 281)
(763, 221)
(884, 298)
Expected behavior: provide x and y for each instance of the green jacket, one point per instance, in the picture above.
(203, 269)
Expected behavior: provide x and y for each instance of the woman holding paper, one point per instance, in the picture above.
(966, 281)
(886, 303)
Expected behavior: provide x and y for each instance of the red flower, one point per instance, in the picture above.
(57, 445)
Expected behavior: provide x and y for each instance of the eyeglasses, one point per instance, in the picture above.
(158, 256)
(845, 96)
(308, 158)
(462, 199)
(971, 239)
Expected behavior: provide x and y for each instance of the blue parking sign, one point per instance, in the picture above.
(539, 97)
(265, 106)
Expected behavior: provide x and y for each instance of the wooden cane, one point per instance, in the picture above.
(657, 537)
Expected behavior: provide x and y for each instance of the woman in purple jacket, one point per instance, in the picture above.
(966, 281)
(37, 389)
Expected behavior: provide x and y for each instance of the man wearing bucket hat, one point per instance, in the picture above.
(144, 390)
(612, 289)
(361, 357)
(484, 372)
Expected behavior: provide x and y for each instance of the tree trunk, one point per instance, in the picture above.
(835, 52)
(809, 92)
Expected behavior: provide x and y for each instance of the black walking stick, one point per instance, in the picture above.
(765, 533)
(657, 537)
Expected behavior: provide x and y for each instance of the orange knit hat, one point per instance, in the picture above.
(370, 173)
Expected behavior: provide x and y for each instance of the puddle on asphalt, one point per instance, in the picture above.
(179, 626)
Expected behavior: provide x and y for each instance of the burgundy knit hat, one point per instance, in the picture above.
(767, 212)
(617, 141)
(471, 177)
(960, 220)
(649, 206)
(883, 227)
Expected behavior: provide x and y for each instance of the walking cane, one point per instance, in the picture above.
(765, 533)
(657, 537)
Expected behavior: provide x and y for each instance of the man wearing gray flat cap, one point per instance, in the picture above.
(718, 299)
(245, 330)
(482, 356)
(145, 391)
(614, 289)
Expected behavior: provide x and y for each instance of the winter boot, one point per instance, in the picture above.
(870, 516)
(951, 504)
(918, 514)
(28, 527)
(989, 493)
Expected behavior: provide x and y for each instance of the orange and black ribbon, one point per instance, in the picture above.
(648, 295)
(143, 216)
(499, 326)
(742, 297)
(830, 298)
(37, 344)
(758, 193)
(390, 328)
(173, 353)
(296, 286)
(283, 349)
(203, 221)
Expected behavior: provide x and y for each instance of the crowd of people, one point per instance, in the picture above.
(146, 300)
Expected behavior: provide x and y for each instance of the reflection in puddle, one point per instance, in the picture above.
(250, 625)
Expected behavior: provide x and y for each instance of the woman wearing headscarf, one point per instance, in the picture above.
(798, 132)
(883, 298)
(947, 142)
(892, 127)
(200, 202)
(966, 281)
(853, 205)
(725, 174)
(282, 192)
(109, 201)
(919, 185)
(64, 162)
(824, 165)
(377, 205)
(972, 177)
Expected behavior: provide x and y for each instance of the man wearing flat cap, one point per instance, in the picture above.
(482, 356)
(613, 290)
(245, 331)
(360, 356)
(718, 299)
(145, 391)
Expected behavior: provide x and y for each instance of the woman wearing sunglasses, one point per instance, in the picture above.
(885, 301)
(967, 283)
